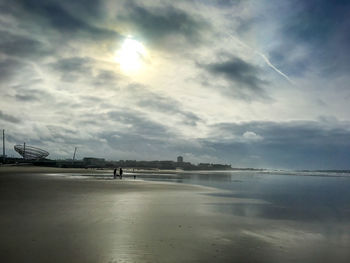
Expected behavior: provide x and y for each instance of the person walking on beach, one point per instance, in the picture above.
(121, 173)
(115, 173)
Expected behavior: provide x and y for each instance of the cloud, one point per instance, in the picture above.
(138, 124)
(86, 69)
(106, 77)
(33, 92)
(167, 106)
(225, 3)
(242, 77)
(72, 68)
(26, 98)
(19, 46)
(77, 64)
(118, 134)
(63, 18)
(237, 70)
(316, 26)
(252, 136)
(8, 118)
(311, 36)
(163, 24)
(209, 67)
(8, 68)
(295, 144)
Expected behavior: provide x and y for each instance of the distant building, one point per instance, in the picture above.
(180, 159)
(204, 165)
(91, 161)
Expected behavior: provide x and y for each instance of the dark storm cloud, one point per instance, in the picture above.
(134, 132)
(166, 105)
(75, 68)
(135, 136)
(73, 64)
(8, 68)
(237, 70)
(8, 117)
(156, 23)
(138, 124)
(56, 138)
(143, 147)
(136, 146)
(307, 132)
(225, 3)
(67, 17)
(133, 146)
(106, 78)
(26, 98)
(28, 93)
(299, 145)
(243, 76)
(72, 68)
(60, 132)
(19, 46)
(157, 103)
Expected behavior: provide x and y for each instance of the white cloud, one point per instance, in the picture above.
(250, 136)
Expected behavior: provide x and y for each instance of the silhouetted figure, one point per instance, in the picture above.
(115, 173)
(134, 176)
(121, 173)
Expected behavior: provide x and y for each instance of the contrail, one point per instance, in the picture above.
(273, 67)
(265, 59)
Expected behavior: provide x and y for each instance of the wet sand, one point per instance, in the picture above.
(62, 218)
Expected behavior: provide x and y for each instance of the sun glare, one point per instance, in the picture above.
(131, 55)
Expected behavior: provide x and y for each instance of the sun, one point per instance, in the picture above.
(131, 56)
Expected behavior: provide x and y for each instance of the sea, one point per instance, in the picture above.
(293, 195)
(290, 195)
(297, 216)
(283, 216)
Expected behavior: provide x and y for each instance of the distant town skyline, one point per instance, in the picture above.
(254, 83)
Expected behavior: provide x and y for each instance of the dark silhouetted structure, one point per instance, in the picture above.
(30, 152)
(3, 146)
(75, 151)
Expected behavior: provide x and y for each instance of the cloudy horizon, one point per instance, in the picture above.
(250, 83)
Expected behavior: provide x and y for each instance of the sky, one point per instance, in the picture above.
(253, 83)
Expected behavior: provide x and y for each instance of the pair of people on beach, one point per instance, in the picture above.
(120, 173)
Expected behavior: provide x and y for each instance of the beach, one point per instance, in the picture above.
(55, 218)
(60, 215)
